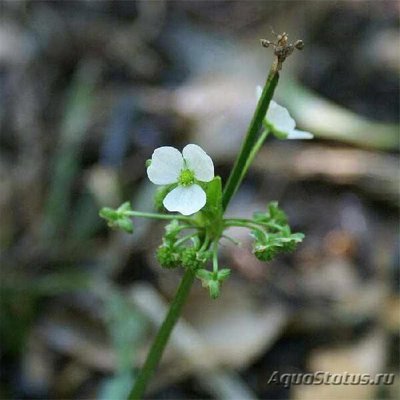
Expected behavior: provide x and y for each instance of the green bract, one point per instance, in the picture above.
(119, 218)
(213, 280)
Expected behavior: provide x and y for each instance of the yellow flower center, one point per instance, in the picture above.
(186, 178)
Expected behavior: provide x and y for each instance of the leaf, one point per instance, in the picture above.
(213, 207)
(213, 212)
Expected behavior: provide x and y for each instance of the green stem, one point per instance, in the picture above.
(248, 222)
(241, 165)
(184, 239)
(235, 242)
(215, 257)
(254, 152)
(245, 224)
(158, 216)
(162, 337)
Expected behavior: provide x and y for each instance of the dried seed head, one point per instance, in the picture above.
(282, 48)
(299, 44)
(265, 43)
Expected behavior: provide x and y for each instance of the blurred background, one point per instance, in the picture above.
(89, 89)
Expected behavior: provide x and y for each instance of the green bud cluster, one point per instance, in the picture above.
(194, 259)
(270, 230)
(173, 253)
(168, 257)
(275, 235)
(119, 218)
(274, 216)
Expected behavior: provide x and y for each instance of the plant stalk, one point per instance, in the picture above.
(248, 150)
(162, 337)
(241, 165)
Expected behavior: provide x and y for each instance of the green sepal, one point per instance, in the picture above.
(205, 276)
(213, 287)
(213, 280)
(223, 274)
(124, 224)
(124, 208)
(108, 213)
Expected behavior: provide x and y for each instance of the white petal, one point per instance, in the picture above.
(280, 118)
(296, 134)
(199, 162)
(166, 165)
(186, 200)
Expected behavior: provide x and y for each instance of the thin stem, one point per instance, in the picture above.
(240, 167)
(231, 239)
(246, 224)
(206, 243)
(158, 216)
(215, 256)
(237, 221)
(162, 337)
(254, 152)
(185, 238)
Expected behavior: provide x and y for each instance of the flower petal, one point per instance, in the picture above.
(279, 118)
(186, 200)
(166, 165)
(297, 134)
(199, 162)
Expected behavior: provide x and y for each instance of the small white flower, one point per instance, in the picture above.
(281, 123)
(169, 166)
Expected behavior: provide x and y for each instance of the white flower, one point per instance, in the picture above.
(281, 123)
(169, 166)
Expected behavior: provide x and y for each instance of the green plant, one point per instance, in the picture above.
(189, 187)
